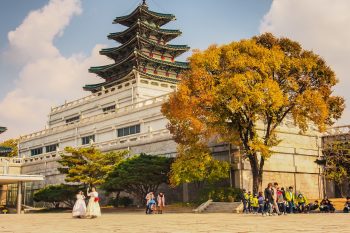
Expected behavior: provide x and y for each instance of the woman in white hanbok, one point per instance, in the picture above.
(93, 209)
(79, 209)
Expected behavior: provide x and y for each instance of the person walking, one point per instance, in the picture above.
(275, 205)
(250, 201)
(79, 208)
(255, 204)
(149, 197)
(290, 198)
(268, 193)
(93, 209)
(244, 199)
(261, 202)
(160, 202)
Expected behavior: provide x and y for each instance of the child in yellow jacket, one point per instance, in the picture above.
(255, 204)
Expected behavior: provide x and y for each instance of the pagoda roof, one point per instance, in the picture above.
(176, 49)
(104, 71)
(158, 77)
(93, 87)
(143, 13)
(178, 64)
(5, 150)
(2, 129)
(98, 86)
(108, 83)
(124, 36)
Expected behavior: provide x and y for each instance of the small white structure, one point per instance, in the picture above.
(11, 175)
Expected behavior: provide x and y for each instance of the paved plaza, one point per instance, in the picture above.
(180, 223)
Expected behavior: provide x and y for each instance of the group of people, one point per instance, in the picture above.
(93, 208)
(276, 200)
(153, 205)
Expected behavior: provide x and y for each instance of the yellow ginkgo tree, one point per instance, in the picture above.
(232, 90)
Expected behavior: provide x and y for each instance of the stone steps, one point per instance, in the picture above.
(222, 207)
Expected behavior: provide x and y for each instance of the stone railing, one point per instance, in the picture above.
(102, 145)
(6, 163)
(41, 157)
(133, 138)
(72, 103)
(11, 160)
(96, 118)
(98, 95)
(338, 130)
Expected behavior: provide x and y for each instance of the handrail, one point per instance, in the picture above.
(203, 206)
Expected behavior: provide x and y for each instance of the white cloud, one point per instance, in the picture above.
(46, 78)
(321, 26)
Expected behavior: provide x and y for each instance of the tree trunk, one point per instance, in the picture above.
(257, 181)
(257, 172)
(57, 205)
(117, 198)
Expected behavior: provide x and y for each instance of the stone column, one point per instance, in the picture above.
(19, 197)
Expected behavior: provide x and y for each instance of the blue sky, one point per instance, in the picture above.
(42, 56)
(202, 22)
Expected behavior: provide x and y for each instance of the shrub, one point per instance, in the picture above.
(113, 202)
(122, 201)
(125, 201)
(57, 194)
(221, 194)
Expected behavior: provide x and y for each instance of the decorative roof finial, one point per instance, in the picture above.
(144, 2)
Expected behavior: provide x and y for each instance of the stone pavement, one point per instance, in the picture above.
(177, 223)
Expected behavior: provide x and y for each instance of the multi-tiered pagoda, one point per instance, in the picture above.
(144, 50)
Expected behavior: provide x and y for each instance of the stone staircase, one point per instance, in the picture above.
(219, 207)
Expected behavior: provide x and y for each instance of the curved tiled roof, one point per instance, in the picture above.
(135, 38)
(2, 129)
(142, 10)
(5, 150)
(116, 35)
(158, 77)
(132, 56)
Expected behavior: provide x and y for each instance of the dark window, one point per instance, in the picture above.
(51, 148)
(87, 139)
(126, 131)
(120, 132)
(72, 120)
(109, 109)
(36, 151)
(134, 129)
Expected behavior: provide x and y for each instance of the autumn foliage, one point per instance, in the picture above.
(88, 166)
(244, 90)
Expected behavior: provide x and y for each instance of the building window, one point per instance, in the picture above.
(109, 109)
(128, 130)
(51, 148)
(36, 151)
(72, 120)
(86, 140)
